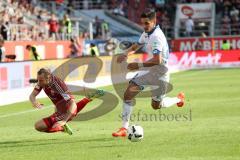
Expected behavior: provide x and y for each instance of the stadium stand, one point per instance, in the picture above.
(19, 22)
(227, 13)
(80, 22)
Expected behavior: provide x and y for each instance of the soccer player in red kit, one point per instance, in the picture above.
(66, 107)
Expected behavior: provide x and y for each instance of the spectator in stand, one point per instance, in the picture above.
(77, 44)
(97, 24)
(189, 24)
(17, 12)
(41, 37)
(67, 24)
(33, 52)
(74, 49)
(226, 26)
(237, 4)
(70, 7)
(119, 10)
(53, 27)
(159, 14)
(40, 16)
(226, 45)
(227, 3)
(5, 16)
(234, 14)
(80, 42)
(105, 30)
(5, 30)
(165, 21)
(93, 50)
(235, 26)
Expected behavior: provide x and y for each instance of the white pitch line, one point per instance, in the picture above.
(23, 112)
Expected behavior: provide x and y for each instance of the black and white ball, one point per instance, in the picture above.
(135, 133)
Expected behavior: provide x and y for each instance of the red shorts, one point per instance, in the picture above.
(55, 117)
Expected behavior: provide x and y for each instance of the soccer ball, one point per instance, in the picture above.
(135, 133)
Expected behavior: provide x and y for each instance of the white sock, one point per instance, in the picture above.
(168, 102)
(126, 113)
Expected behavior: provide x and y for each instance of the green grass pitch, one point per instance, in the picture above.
(209, 128)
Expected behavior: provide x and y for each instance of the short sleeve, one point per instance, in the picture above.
(156, 45)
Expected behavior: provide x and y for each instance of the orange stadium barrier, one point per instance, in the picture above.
(46, 49)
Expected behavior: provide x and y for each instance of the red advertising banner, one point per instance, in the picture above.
(205, 59)
(190, 44)
(46, 49)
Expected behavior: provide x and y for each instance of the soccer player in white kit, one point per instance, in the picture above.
(157, 47)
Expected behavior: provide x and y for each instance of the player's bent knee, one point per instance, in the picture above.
(36, 126)
(40, 127)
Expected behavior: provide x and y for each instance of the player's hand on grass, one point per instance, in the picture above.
(59, 124)
(37, 105)
(133, 66)
(121, 58)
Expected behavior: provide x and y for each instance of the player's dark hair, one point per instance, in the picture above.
(148, 13)
(44, 71)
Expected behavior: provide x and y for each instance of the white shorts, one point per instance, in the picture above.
(156, 79)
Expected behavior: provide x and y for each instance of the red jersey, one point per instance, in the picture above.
(53, 25)
(58, 92)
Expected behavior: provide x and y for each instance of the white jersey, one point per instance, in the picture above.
(156, 77)
(155, 43)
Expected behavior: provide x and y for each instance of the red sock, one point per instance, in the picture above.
(81, 104)
(56, 129)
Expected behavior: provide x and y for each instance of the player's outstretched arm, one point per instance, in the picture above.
(33, 100)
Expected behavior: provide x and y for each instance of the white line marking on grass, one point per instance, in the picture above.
(24, 112)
